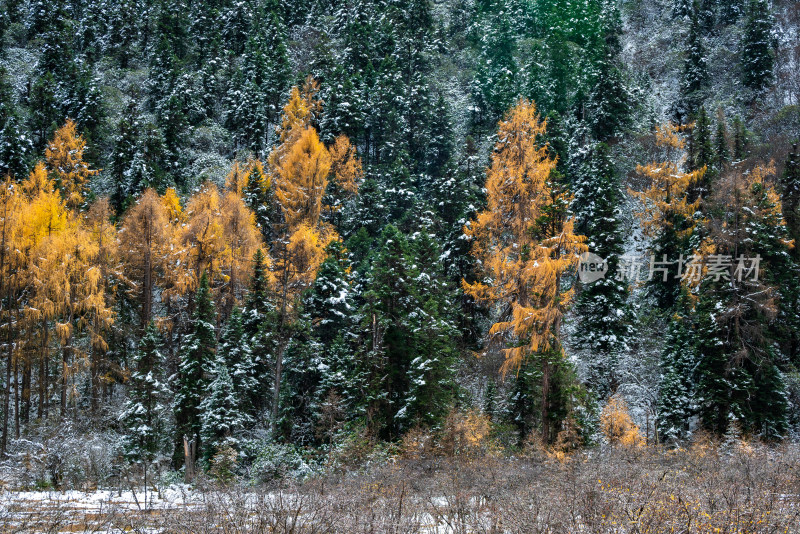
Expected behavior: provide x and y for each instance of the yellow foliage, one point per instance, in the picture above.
(301, 170)
(147, 242)
(243, 239)
(617, 425)
(522, 264)
(345, 165)
(64, 156)
(301, 109)
(172, 203)
(466, 434)
(669, 191)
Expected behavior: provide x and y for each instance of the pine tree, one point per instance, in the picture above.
(258, 321)
(197, 355)
(15, 149)
(721, 150)
(496, 84)
(677, 363)
(235, 353)
(758, 50)
(739, 140)
(220, 413)
(702, 155)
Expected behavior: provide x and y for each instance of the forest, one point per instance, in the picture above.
(269, 243)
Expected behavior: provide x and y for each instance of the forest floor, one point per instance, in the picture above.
(706, 488)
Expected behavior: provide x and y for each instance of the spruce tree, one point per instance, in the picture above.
(604, 317)
(220, 412)
(677, 369)
(146, 415)
(695, 72)
(15, 149)
(197, 356)
(721, 150)
(758, 50)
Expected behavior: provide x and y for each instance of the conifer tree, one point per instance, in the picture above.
(15, 149)
(758, 50)
(702, 156)
(146, 416)
(604, 317)
(65, 160)
(695, 71)
(196, 358)
(722, 152)
(525, 243)
(676, 396)
(219, 412)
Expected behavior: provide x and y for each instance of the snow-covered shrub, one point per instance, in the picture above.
(63, 458)
(274, 461)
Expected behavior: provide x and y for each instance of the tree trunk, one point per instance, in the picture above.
(546, 401)
(27, 369)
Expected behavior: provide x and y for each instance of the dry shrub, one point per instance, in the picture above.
(466, 434)
(617, 425)
(416, 444)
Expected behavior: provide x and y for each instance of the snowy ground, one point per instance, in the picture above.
(77, 511)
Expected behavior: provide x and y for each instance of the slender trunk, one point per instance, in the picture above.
(9, 363)
(95, 379)
(546, 400)
(277, 389)
(147, 302)
(27, 369)
(16, 398)
(65, 362)
(40, 409)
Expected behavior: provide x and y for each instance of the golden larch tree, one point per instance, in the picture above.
(145, 239)
(64, 157)
(524, 242)
(299, 167)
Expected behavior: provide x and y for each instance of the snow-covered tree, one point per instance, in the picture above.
(146, 416)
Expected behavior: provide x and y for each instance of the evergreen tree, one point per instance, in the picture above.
(721, 150)
(677, 369)
(15, 149)
(235, 353)
(197, 355)
(146, 416)
(739, 140)
(695, 72)
(410, 345)
(604, 318)
(702, 148)
(219, 412)
(258, 316)
(758, 49)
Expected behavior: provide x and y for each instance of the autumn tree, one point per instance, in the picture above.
(65, 161)
(525, 244)
(300, 166)
(144, 238)
(668, 201)
(617, 425)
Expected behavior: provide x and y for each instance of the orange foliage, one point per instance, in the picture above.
(64, 156)
(669, 190)
(617, 425)
(522, 268)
